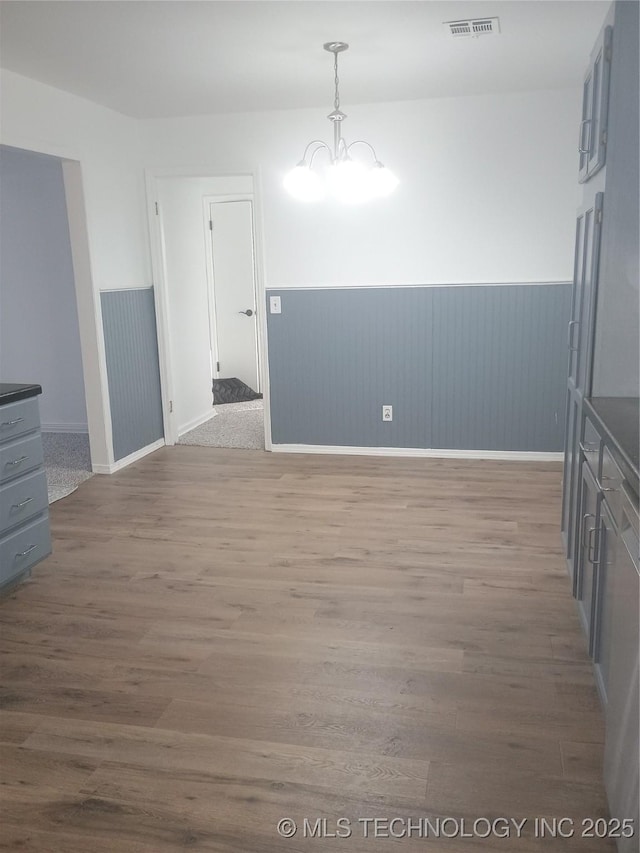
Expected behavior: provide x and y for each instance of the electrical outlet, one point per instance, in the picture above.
(387, 413)
(275, 306)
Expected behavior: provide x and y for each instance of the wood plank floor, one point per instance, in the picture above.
(225, 638)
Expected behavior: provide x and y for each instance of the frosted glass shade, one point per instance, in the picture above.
(304, 184)
(382, 182)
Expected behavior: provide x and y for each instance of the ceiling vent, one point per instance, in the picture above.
(474, 27)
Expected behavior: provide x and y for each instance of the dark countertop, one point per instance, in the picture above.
(11, 392)
(618, 419)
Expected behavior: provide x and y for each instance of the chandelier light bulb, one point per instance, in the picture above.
(347, 180)
(303, 184)
(382, 181)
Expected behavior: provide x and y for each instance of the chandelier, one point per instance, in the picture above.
(347, 180)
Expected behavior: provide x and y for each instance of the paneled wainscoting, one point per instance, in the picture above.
(479, 367)
(225, 638)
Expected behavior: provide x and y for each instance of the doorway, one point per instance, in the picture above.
(232, 280)
(210, 325)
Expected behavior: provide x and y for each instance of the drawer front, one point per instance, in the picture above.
(591, 446)
(19, 418)
(22, 499)
(24, 548)
(18, 457)
(611, 480)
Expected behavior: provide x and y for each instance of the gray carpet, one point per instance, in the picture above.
(238, 425)
(67, 462)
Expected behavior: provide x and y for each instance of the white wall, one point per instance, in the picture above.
(105, 197)
(487, 194)
(185, 261)
(39, 335)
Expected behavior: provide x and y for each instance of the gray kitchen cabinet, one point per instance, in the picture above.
(579, 345)
(592, 142)
(24, 506)
(604, 569)
(622, 742)
(587, 544)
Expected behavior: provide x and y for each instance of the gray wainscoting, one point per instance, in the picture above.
(478, 367)
(129, 322)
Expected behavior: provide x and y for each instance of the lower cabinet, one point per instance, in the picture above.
(622, 740)
(585, 557)
(603, 607)
(606, 585)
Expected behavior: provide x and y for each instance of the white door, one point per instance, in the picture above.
(234, 292)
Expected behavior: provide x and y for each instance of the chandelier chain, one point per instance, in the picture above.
(336, 100)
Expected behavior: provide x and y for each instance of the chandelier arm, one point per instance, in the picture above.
(363, 142)
(317, 142)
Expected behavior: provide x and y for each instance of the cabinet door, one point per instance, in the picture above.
(582, 330)
(592, 142)
(586, 550)
(604, 569)
(571, 474)
(622, 746)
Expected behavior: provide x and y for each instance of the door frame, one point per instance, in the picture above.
(207, 201)
(161, 296)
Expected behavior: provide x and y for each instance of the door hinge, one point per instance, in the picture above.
(599, 216)
(218, 366)
(171, 405)
(211, 225)
(157, 211)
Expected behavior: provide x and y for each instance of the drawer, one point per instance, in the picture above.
(21, 499)
(18, 457)
(610, 483)
(23, 548)
(591, 447)
(19, 418)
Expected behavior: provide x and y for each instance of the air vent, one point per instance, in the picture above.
(474, 27)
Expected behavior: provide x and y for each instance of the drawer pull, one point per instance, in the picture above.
(28, 551)
(11, 423)
(18, 461)
(22, 503)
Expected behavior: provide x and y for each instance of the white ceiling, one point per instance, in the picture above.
(161, 58)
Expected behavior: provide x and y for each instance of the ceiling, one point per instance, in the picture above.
(162, 58)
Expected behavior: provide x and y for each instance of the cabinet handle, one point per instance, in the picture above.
(570, 345)
(22, 503)
(11, 423)
(591, 547)
(582, 150)
(28, 551)
(585, 448)
(18, 461)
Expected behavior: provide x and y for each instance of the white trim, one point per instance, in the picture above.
(420, 452)
(398, 285)
(196, 422)
(261, 298)
(132, 457)
(156, 246)
(84, 428)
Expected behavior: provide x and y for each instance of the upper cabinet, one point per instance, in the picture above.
(592, 140)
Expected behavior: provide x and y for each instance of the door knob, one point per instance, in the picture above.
(248, 312)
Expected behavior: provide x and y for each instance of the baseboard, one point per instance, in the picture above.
(132, 457)
(196, 422)
(420, 452)
(46, 427)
